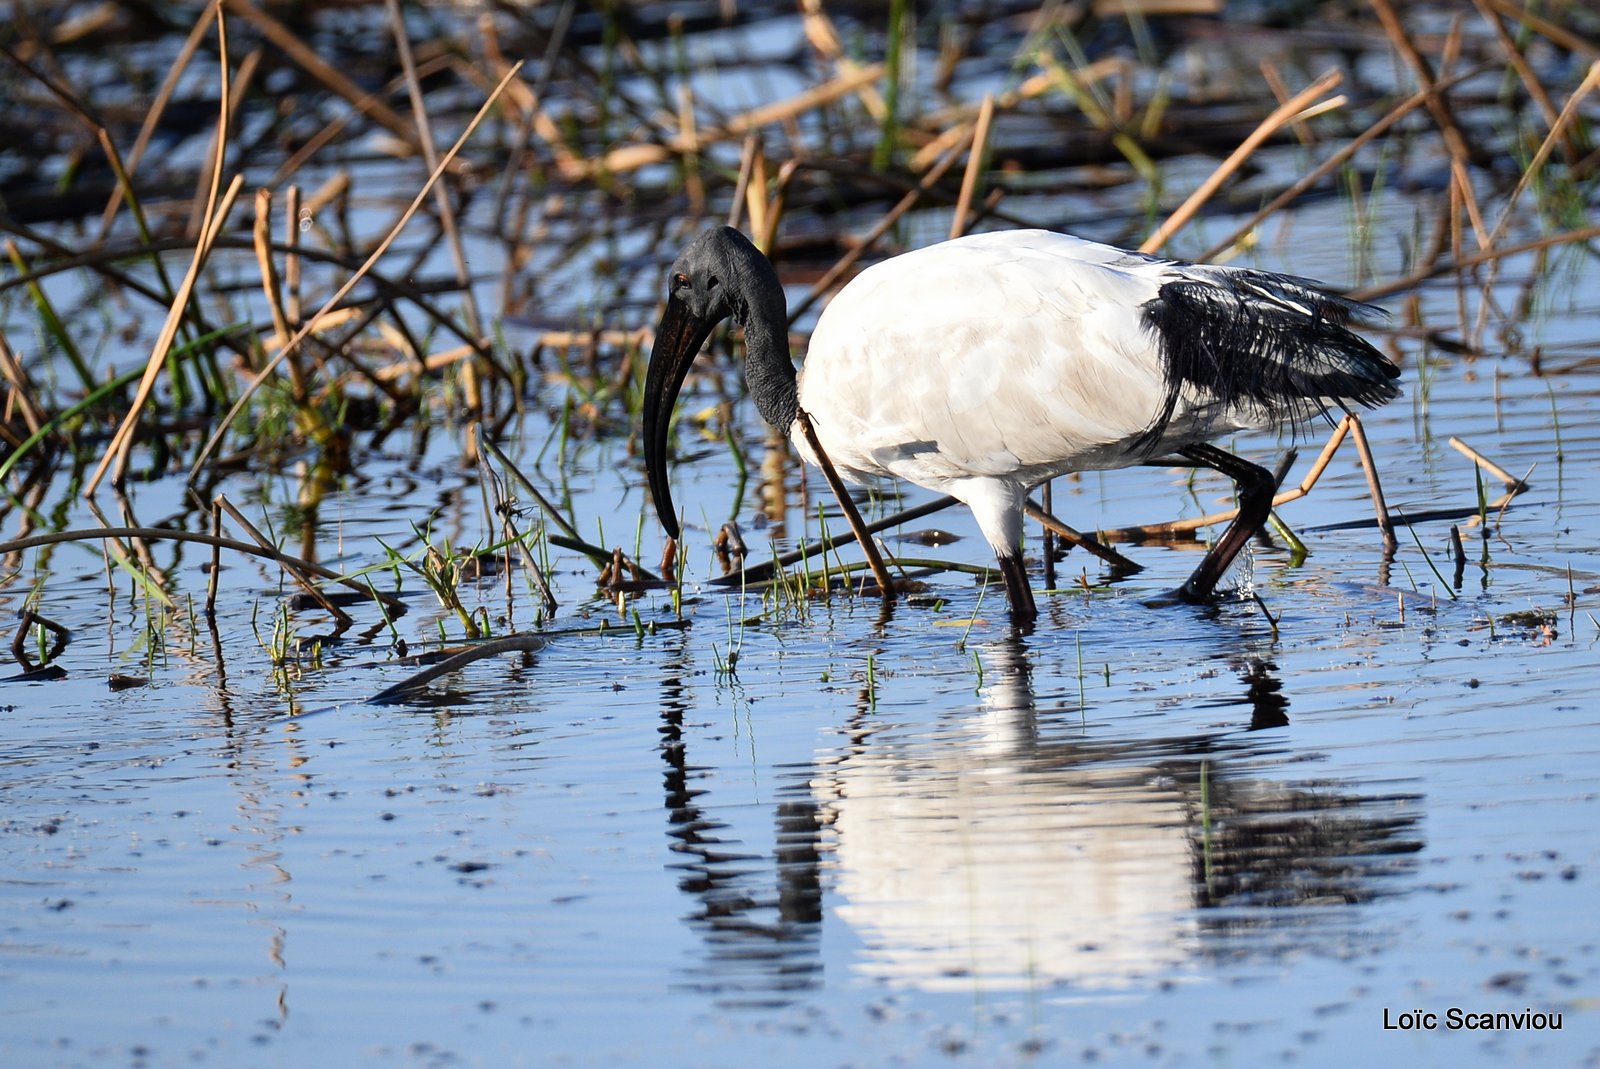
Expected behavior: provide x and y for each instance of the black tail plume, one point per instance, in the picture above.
(1263, 341)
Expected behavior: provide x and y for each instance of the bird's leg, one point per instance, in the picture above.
(1018, 592)
(870, 548)
(1256, 487)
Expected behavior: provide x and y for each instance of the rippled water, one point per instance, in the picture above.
(1165, 836)
(881, 837)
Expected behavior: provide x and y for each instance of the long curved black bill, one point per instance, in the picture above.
(678, 339)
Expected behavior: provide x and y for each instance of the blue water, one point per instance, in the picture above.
(1225, 837)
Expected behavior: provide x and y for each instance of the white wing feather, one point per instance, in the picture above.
(1020, 354)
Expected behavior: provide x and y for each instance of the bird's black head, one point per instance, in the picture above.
(719, 275)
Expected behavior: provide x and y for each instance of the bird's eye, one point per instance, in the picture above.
(679, 281)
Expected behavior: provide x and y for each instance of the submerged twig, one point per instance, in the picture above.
(522, 642)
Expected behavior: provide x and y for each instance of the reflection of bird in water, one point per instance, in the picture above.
(989, 856)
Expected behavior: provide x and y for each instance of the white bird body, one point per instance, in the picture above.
(982, 366)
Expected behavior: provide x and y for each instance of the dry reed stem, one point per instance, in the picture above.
(222, 502)
(122, 441)
(321, 70)
(333, 188)
(1074, 537)
(405, 345)
(291, 259)
(76, 28)
(350, 284)
(1530, 80)
(124, 184)
(336, 126)
(768, 236)
(99, 260)
(118, 451)
(1557, 132)
(1106, 9)
(819, 30)
(268, 270)
(431, 362)
(1535, 165)
(447, 214)
(332, 321)
(1558, 35)
(975, 157)
(566, 339)
(938, 146)
(1371, 293)
(233, 89)
(1076, 84)
(1443, 115)
(741, 186)
(1511, 482)
(694, 188)
(1285, 113)
(21, 389)
(950, 119)
(632, 157)
(213, 579)
(851, 515)
(755, 196)
(1345, 152)
(526, 98)
(1280, 89)
(158, 107)
(471, 386)
(905, 204)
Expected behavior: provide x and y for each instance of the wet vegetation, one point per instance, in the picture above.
(253, 243)
(323, 331)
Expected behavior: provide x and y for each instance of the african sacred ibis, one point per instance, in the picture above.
(981, 366)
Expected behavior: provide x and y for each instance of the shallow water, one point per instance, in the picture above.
(1163, 836)
(1237, 835)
